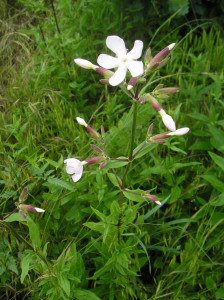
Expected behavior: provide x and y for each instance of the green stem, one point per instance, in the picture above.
(134, 119)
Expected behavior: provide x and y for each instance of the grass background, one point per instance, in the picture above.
(175, 252)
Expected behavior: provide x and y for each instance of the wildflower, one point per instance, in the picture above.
(83, 63)
(124, 61)
(167, 119)
(152, 198)
(74, 167)
(179, 132)
(30, 208)
(90, 129)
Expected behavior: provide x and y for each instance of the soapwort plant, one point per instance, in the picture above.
(131, 75)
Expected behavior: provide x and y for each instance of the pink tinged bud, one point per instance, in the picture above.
(159, 136)
(106, 73)
(168, 91)
(31, 208)
(141, 100)
(180, 131)
(102, 131)
(167, 120)
(83, 63)
(96, 148)
(94, 160)
(155, 104)
(81, 122)
(150, 129)
(22, 195)
(93, 132)
(131, 83)
(161, 54)
(159, 141)
(152, 198)
(102, 165)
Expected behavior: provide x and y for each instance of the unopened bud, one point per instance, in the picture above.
(102, 165)
(152, 198)
(83, 63)
(155, 104)
(102, 131)
(81, 122)
(167, 120)
(150, 129)
(23, 214)
(106, 73)
(94, 160)
(30, 208)
(180, 131)
(161, 54)
(141, 100)
(93, 132)
(168, 91)
(96, 148)
(131, 83)
(22, 195)
(148, 56)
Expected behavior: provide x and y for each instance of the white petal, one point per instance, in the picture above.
(84, 63)
(76, 177)
(70, 170)
(73, 165)
(180, 131)
(108, 62)
(39, 209)
(135, 67)
(169, 122)
(117, 45)
(136, 51)
(119, 75)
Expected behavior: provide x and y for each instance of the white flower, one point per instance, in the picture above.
(167, 120)
(85, 64)
(180, 131)
(75, 167)
(81, 121)
(123, 61)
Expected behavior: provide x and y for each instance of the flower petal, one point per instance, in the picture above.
(117, 45)
(119, 75)
(136, 51)
(73, 165)
(136, 68)
(108, 62)
(76, 177)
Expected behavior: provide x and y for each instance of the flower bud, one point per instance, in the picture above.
(93, 132)
(150, 129)
(168, 91)
(155, 104)
(148, 56)
(81, 122)
(106, 73)
(180, 131)
(83, 63)
(102, 165)
(94, 160)
(22, 195)
(152, 198)
(131, 83)
(167, 120)
(30, 208)
(161, 54)
(96, 148)
(102, 131)
(141, 100)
